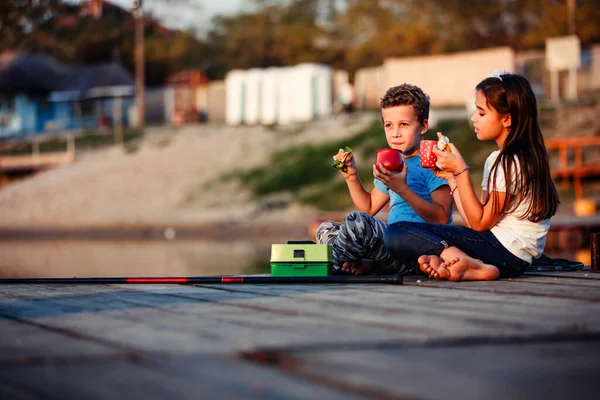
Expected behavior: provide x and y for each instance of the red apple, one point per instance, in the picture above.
(391, 159)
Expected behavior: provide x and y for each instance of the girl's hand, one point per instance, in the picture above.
(351, 165)
(448, 162)
(395, 181)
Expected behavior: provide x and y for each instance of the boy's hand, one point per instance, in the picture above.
(395, 181)
(448, 162)
(443, 174)
(350, 166)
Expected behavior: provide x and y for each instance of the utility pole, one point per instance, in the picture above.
(138, 15)
(571, 5)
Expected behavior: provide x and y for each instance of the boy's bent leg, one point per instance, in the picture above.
(359, 247)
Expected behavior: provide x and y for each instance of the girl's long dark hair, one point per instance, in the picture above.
(512, 94)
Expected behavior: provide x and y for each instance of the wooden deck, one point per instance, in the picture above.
(37, 160)
(528, 338)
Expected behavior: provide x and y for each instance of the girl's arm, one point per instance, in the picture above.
(456, 197)
(477, 216)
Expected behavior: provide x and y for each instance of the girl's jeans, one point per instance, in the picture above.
(407, 241)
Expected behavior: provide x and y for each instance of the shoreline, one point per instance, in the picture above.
(159, 231)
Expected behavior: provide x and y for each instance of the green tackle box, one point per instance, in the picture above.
(301, 258)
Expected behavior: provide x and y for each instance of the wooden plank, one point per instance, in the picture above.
(35, 291)
(588, 275)
(198, 376)
(22, 344)
(557, 279)
(579, 141)
(151, 320)
(521, 286)
(39, 161)
(155, 321)
(452, 312)
(174, 321)
(494, 371)
(180, 318)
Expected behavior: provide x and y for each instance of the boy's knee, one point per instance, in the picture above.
(326, 232)
(358, 224)
(356, 216)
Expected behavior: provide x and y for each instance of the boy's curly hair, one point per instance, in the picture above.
(407, 95)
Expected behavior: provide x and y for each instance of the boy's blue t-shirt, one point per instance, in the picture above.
(420, 180)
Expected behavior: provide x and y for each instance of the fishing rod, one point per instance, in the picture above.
(266, 279)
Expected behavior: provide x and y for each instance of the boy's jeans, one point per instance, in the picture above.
(407, 241)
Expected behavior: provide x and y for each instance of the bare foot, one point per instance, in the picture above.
(433, 266)
(470, 269)
(358, 267)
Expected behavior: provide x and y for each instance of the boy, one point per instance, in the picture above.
(415, 193)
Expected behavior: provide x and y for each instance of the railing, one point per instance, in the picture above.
(574, 168)
(37, 160)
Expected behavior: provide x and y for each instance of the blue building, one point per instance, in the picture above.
(26, 81)
(93, 95)
(37, 94)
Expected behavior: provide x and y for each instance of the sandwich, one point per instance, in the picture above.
(339, 160)
(443, 143)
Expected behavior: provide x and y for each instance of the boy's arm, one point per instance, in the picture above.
(370, 203)
(438, 210)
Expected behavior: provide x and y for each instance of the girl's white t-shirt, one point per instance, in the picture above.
(523, 238)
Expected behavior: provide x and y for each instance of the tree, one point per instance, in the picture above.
(20, 18)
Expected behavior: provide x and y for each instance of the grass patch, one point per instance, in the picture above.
(88, 140)
(294, 169)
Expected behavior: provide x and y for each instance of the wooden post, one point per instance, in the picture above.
(117, 120)
(71, 145)
(563, 166)
(554, 86)
(577, 177)
(35, 149)
(139, 65)
(571, 5)
(572, 88)
(595, 250)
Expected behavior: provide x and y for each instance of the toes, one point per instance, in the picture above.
(423, 259)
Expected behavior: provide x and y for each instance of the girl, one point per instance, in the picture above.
(507, 227)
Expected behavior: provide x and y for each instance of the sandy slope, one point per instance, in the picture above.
(165, 181)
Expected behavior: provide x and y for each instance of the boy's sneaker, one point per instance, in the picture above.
(327, 232)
